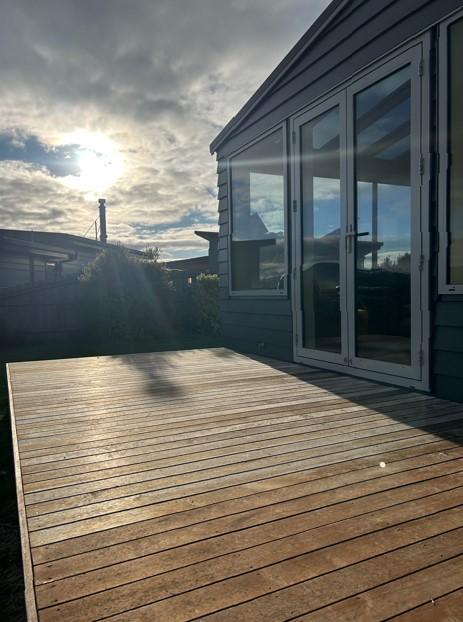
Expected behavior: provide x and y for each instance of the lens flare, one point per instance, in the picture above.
(100, 163)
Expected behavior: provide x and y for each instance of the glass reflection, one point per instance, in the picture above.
(258, 216)
(455, 256)
(383, 208)
(321, 225)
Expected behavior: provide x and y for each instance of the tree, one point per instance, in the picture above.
(127, 297)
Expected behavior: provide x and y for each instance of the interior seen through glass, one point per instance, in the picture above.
(455, 225)
(383, 220)
(321, 226)
(258, 216)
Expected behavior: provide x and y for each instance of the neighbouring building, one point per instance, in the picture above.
(341, 199)
(33, 257)
(188, 269)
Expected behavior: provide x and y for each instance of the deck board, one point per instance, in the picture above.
(210, 485)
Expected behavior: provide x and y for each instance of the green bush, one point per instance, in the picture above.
(206, 303)
(126, 297)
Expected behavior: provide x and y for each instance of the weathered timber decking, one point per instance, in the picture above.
(214, 486)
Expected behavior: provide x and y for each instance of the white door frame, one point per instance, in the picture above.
(337, 101)
(417, 375)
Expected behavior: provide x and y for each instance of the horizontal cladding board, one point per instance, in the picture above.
(223, 204)
(13, 260)
(448, 387)
(221, 166)
(223, 242)
(448, 364)
(222, 267)
(223, 229)
(223, 217)
(260, 306)
(222, 255)
(340, 64)
(449, 313)
(448, 338)
(222, 178)
(273, 322)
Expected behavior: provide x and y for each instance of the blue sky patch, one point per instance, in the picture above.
(60, 161)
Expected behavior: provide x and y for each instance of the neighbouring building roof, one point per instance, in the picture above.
(50, 242)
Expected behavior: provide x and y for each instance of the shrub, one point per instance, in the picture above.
(126, 297)
(206, 303)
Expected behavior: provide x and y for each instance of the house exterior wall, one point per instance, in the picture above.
(363, 32)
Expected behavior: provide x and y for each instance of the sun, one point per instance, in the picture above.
(99, 160)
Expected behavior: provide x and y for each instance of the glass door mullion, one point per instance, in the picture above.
(319, 186)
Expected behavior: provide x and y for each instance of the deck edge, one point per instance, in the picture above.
(29, 592)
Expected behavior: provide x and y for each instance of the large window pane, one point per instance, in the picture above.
(258, 216)
(383, 210)
(321, 226)
(455, 225)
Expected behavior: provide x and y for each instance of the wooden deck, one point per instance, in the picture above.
(207, 485)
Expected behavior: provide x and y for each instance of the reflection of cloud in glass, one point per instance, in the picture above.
(327, 206)
(267, 200)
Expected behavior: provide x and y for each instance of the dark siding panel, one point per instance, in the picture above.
(449, 313)
(449, 339)
(222, 192)
(222, 267)
(272, 322)
(222, 178)
(259, 306)
(447, 363)
(448, 387)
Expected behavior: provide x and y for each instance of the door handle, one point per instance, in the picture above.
(353, 234)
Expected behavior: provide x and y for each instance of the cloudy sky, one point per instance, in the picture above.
(121, 98)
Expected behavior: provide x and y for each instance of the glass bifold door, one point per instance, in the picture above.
(356, 182)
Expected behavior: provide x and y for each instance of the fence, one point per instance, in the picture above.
(44, 312)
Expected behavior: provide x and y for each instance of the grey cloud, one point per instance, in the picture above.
(160, 77)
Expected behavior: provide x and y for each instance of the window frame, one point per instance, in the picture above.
(260, 293)
(444, 287)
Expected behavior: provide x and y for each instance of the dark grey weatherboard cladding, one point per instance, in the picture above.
(356, 33)
(448, 348)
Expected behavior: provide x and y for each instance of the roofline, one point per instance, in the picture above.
(38, 248)
(71, 237)
(307, 39)
(207, 235)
